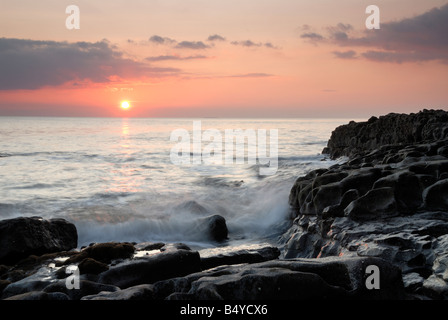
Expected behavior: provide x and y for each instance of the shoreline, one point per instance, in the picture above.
(384, 207)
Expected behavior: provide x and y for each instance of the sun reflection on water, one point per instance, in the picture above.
(124, 176)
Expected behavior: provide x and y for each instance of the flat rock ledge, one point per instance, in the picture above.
(158, 271)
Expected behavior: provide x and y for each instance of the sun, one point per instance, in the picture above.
(125, 105)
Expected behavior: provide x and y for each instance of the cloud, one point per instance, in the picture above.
(269, 45)
(216, 37)
(312, 36)
(251, 75)
(32, 64)
(341, 27)
(337, 33)
(212, 39)
(174, 57)
(420, 38)
(161, 40)
(400, 57)
(350, 54)
(195, 45)
(246, 43)
(250, 43)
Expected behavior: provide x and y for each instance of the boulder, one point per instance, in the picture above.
(435, 287)
(147, 270)
(104, 252)
(407, 189)
(213, 227)
(35, 282)
(21, 237)
(377, 203)
(435, 196)
(91, 266)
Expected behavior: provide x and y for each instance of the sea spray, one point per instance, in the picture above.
(250, 214)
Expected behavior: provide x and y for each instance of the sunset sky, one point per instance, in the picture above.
(213, 58)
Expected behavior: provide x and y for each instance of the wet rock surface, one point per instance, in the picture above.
(21, 237)
(388, 200)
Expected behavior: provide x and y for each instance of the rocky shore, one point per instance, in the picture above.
(385, 207)
(388, 201)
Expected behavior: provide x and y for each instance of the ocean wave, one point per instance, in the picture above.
(173, 229)
(250, 213)
(220, 182)
(37, 186)
(75, 155)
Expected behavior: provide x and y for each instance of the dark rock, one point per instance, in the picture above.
(361, 180)
(214, 227)
(175, 247)
(265, 284)
(227, 256)
(377, 203)
(413, 281)
(91, 266)
(392, 129)
(297, 279)
(149, 246)
(407, 189)
(324, 196)
(107, 252)
(443, 151)
(3, 285)
(387, 201)
(153, 268)
(104, 252)
(303, 244)
(35, 282)
(436, 195)
(86, 288)
(435, 287)
(349, 196)
(3, 269)
(140, 292)
(39, 295)
(21, 237)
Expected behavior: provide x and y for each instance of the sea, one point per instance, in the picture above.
(116, 179)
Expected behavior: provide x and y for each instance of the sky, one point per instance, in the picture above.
(214, 58)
